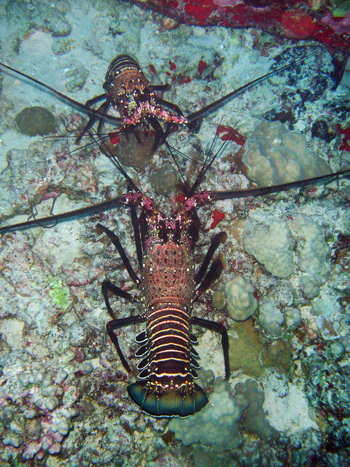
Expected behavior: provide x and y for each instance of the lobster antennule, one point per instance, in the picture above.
(168, 404)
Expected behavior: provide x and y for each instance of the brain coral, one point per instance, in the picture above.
(275, 155)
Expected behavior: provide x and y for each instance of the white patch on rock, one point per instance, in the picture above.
(286, 406)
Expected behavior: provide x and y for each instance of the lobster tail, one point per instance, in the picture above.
(169, 403)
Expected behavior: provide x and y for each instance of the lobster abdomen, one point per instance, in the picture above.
(169, 361)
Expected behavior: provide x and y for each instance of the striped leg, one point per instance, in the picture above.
(119, 323)
(217, 327)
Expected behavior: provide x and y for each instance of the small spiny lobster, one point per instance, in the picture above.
(130, 93)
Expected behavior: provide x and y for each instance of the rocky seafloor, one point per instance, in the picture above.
(63, 395)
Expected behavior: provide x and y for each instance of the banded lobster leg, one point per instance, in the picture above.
(103, 108)
(107, 287)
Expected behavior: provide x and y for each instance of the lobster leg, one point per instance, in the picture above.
(95, 99)
(160, 134)
(120, 323)
(170, 105)
(161, 87)
(103, 108)
(116, 242)
(213, 274)
(107, 286)
(217, 327)
(215, 243)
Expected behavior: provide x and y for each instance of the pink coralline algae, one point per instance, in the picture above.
(227, 2)
(340, 25)
(295, 19)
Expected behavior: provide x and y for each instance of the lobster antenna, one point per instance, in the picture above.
(78, 149)
(61, 96)
(278, 188)
(182, 154)
(171, 149)
(209, 159)
(214, 105)
(47, 221)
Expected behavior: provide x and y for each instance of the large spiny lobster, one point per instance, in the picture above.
(168, 289)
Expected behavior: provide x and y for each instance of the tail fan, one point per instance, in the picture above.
(169, 404)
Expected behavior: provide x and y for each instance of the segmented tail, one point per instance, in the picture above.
(168, 365)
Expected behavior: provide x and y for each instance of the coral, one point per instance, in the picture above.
(275, 155)
(312, 254)
(279, 354)
(42, 423)
(34, 121)
(216, 425)
(310, 285)
(254, 419)
(337, 350)
(239, 298)
(271, 319)
(272, 248)
(293, 318)
(245, 350)
(293, 19)
(345, 342)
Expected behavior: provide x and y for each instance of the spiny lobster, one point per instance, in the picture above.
(168, 285)
(130, 93)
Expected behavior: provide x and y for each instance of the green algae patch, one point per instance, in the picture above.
(245, 351)
(33, 121)
(58, 293)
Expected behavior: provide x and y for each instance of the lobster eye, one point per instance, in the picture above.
(107, 86)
